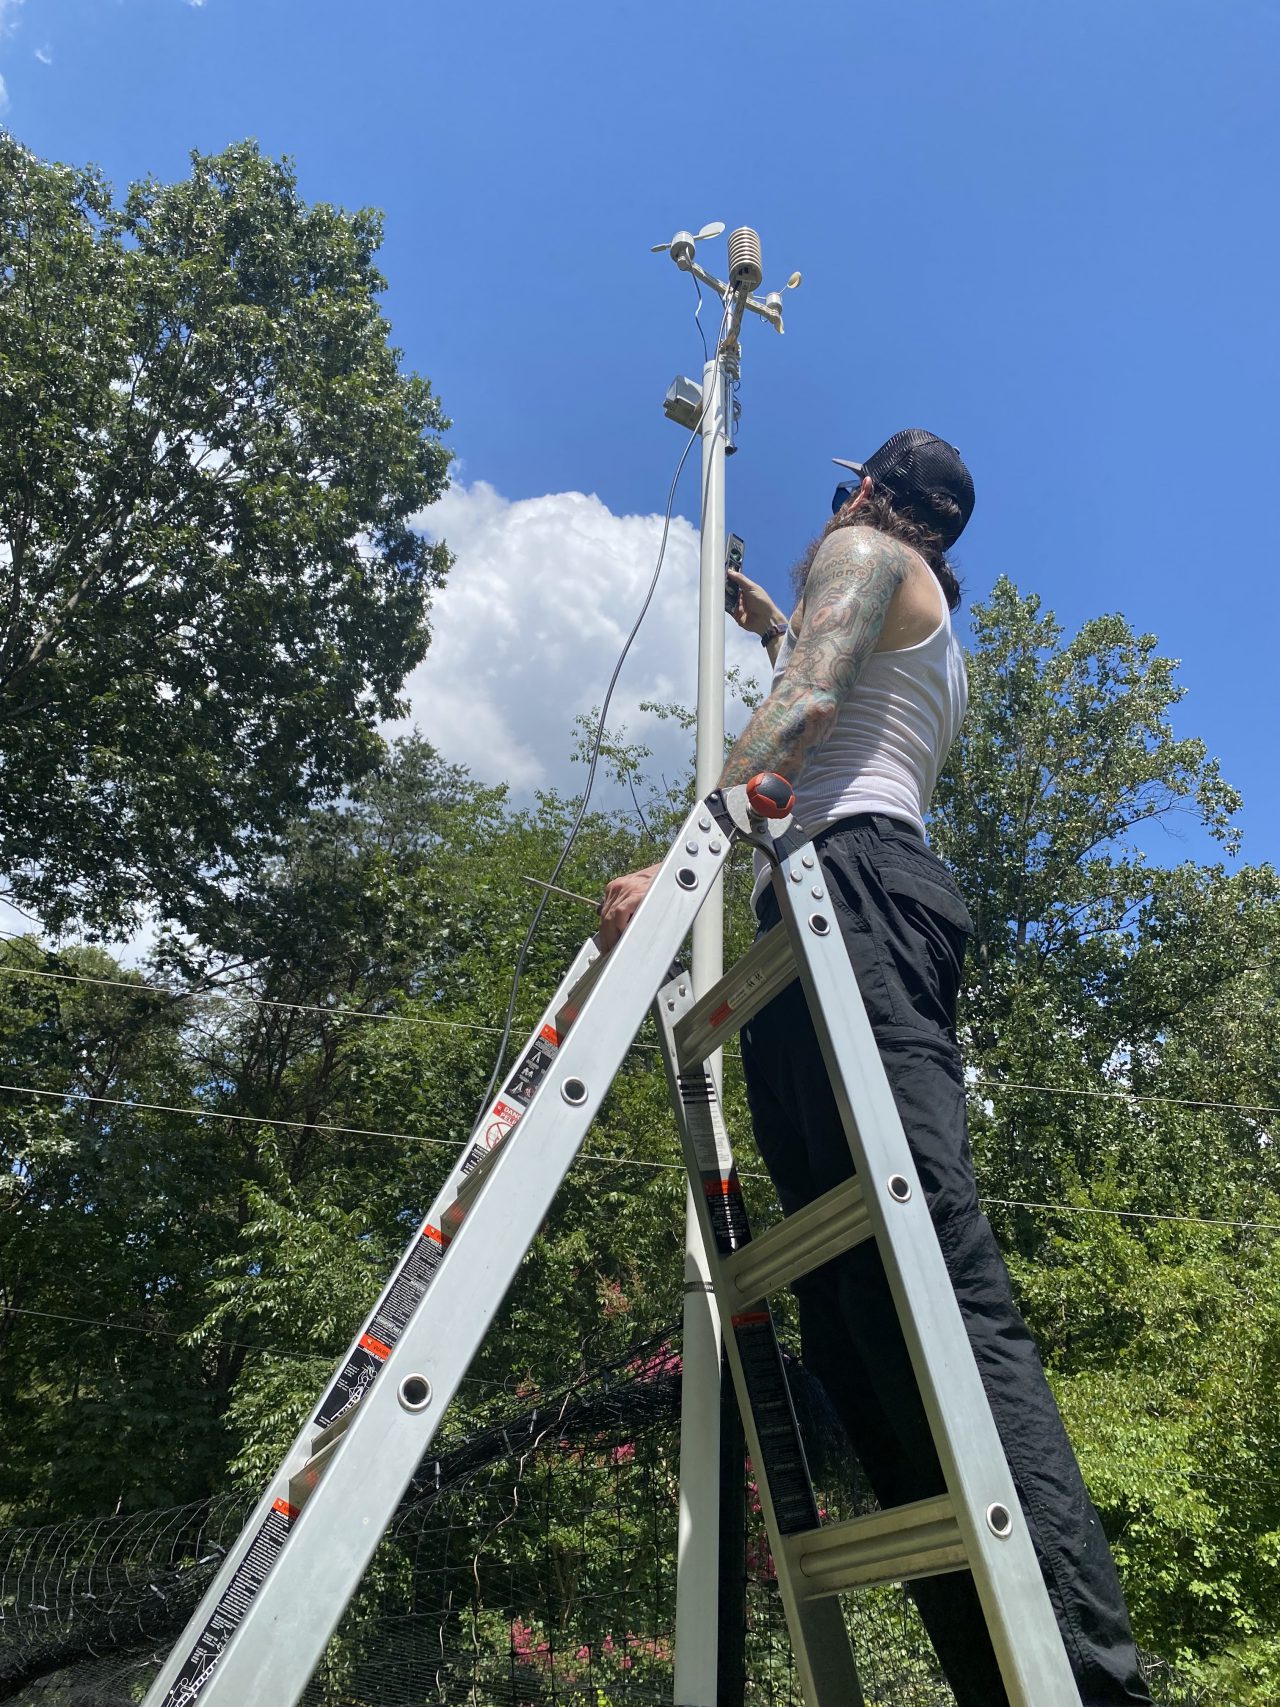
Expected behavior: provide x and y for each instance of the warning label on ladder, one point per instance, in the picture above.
(225, 1619)
(411, 1280)
(373, 1348)
(785, 1471)
(533, 1068)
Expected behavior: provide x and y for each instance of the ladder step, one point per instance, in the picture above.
(832, 1223)
(302, 1483)
(899, 1545)
(569, 1009)
(766, 968)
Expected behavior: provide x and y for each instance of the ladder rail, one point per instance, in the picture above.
(263, 1624)
(819, 1639)
(997, 1544)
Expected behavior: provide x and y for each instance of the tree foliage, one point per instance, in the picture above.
(1122, 1038)
(209, 462)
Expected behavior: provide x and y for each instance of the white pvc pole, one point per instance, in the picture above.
(697, 1547)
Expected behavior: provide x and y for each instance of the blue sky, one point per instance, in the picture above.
(1046, 232)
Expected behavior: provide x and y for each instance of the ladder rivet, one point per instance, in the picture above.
(684, 991)
(797, 876)
(816, 892)
(415, 1393)
(704, 823)
(574, 1092)
(713, 847)
(819, 924)
(999, 1522)
(899, 1188)
(691, 847)
(687, 879)
(807, 862)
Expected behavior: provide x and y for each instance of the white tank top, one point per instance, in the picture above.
(891, 735)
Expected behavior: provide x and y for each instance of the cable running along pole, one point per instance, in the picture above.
(714, 408)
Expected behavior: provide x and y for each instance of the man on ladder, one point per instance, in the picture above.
(868, 694)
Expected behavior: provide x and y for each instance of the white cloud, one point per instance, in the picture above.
(526, 633)
(44, 55)
(4, 97)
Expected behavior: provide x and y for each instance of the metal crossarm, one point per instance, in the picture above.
(259, 1632)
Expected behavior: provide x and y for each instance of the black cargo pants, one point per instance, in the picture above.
(906, 928)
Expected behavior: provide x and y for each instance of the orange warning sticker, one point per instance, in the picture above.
(285, 1509)
(380, 1351)
(721, 1187)
(750, 1318)
(720, 1015)
(433, 1233)
(504, 1118)
(548, 1034)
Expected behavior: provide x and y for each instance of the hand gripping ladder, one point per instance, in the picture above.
(262, 1626)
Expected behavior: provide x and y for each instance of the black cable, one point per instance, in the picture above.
(591, 774)
(697, 318)
(600, 729)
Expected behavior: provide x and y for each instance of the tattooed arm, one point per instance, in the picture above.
(854, 576)
(846, 598)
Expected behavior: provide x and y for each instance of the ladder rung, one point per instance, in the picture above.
(569, 1009)
(767, 967)
(303, 1482)
(899, 1545)
(832, 1223)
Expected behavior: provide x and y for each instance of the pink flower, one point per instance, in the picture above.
(623, 1454)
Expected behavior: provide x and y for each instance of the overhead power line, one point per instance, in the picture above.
(1115, 1093)
(587, 1155)
(1124, 1096)
(1130, 1214)
(258, 1001)
(179, 1334)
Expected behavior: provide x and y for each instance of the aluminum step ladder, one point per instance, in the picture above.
(263, 1624)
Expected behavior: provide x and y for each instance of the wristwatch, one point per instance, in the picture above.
(775, 631)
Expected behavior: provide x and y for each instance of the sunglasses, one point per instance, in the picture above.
(846, 490)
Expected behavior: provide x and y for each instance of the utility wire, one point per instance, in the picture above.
(259, 1001)
(1124, 1096)
(310, 1125)
(985, 1080)
(592, 1156)
(220, 1114)
(179, 1334)
(1132, 1214)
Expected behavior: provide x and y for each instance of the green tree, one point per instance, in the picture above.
(1111, 1003)
(209, 464)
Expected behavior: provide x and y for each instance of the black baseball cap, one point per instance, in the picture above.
(914, 468)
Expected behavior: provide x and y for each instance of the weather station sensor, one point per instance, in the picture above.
(683, 402)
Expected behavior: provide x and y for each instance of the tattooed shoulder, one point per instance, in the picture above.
(860, 556)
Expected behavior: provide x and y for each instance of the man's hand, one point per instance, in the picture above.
(621, 898)
(756, 611)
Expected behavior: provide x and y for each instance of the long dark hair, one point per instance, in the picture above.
(877, 512)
